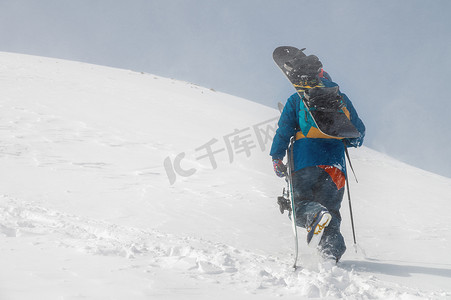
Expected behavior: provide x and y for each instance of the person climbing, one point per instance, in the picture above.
(319, 167)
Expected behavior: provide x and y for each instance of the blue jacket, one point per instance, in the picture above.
(309, 152)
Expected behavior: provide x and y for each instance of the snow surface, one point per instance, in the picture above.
(108, 192)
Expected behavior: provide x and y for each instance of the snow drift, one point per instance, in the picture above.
(124, 185)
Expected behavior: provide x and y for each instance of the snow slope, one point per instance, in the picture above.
(124, 185)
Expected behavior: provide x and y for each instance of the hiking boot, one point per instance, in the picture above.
(316, 230)
(328, 257)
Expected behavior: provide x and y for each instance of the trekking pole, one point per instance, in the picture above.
(289, 179)
(293, 210)
(349, 160)
(349, 195)
(350, 210)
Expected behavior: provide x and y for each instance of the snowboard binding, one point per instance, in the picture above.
(304, 70)
(324, 99)
(284, 203)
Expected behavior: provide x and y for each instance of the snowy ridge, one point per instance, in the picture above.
(196, 257)
(88, 210)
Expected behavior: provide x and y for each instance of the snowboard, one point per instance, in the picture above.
(324, 104)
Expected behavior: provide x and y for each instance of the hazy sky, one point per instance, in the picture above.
(390, 57)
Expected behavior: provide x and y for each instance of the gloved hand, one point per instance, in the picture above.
(279, 167)
(354, 142)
